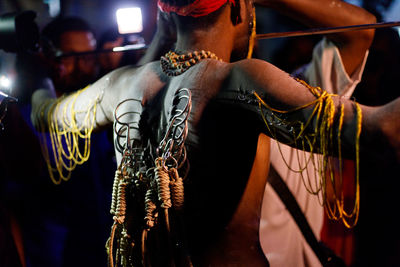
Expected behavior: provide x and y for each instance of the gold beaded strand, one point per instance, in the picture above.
(174, 64)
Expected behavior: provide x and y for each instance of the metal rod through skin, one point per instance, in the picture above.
(99, 51)
(271, 35)
(317, 31)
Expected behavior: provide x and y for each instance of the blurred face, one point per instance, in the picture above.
(75, 72)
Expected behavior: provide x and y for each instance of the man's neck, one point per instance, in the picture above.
(220, 48)
(218, 39)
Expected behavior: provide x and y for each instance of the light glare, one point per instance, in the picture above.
(5, 82)
(129, 20)
(128, 47)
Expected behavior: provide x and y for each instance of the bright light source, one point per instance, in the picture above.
(54, 7)
(5, 82)
(129, 20)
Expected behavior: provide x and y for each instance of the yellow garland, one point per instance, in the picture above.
(65, 135)
(321, 140)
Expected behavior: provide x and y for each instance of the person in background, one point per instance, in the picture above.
(65, 224)
(110, 60)
(63, 37)
(337, 65)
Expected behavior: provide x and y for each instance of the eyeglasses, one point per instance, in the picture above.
(77, 59)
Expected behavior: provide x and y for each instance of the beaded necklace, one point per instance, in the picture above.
(174, 64)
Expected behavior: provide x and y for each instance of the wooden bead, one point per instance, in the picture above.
(174, 64)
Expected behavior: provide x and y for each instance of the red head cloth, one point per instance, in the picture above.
(198, 8)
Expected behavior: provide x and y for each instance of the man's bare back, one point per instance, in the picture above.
(220, 218)
(222, 205)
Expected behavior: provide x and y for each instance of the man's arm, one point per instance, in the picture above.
(97, 102)
(378, 124)
(331, 13)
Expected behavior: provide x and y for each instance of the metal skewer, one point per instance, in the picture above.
(271, 35)
(100, 51)
(317, 31)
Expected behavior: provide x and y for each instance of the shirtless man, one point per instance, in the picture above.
(222, 204)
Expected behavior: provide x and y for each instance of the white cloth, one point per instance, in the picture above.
(280, 238)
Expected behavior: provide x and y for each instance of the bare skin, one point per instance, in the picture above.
(218, 194)
(352, 45)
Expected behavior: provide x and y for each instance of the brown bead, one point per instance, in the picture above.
(174, 64)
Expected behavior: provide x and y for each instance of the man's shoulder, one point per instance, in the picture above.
(248, 70)
(131, 73)
(121, 72)
(249, 64)
(231, 69)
